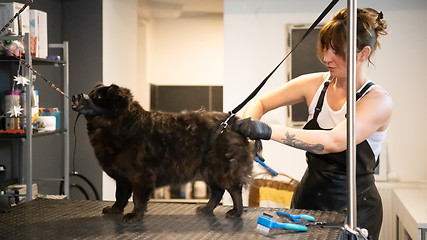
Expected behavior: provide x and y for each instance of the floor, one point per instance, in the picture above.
(81, 219)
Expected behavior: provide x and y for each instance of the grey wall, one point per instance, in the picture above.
(82, 27)
(80, 23)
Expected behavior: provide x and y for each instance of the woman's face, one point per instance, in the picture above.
(337, 66)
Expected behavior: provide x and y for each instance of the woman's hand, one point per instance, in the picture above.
(254, 129)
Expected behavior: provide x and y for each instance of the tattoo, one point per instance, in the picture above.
(292, 141)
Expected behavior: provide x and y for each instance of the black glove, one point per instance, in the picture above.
(254, 129)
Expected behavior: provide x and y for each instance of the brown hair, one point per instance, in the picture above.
(370, 25)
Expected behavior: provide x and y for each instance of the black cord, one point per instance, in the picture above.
(75, 185)
(75, 142)
(75, 173)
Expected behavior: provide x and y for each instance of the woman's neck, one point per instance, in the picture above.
(341, 83)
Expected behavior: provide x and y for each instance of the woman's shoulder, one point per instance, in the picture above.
(308, 84)
(378, 104)
(312, 81)
(379, 93)
(318, 77)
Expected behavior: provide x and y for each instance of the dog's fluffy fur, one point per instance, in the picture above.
(143, 150)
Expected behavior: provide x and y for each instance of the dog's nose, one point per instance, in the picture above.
(77, 97)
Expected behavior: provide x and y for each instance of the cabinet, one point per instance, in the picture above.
(22, 146)
(409, 211)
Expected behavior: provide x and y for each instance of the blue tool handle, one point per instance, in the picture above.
(283, 213)
(305, 216)
(297, 217)
(291, 226)
(287, 214)
(266, 167)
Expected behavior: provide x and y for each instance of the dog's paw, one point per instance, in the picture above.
(131, 218)
(112, 210)
(204, 210)
(233, 213)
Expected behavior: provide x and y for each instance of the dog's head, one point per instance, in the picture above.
(102, 100)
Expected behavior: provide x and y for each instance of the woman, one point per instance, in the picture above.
(323, 186)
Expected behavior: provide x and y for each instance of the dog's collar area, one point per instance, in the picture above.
(225, 123)
(101, 112)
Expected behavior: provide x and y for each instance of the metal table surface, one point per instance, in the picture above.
(82, 219)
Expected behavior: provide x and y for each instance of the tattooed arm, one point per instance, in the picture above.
(314, 141)
(309, 140)
(292, 141)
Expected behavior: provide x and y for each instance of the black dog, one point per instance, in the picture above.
(144, 150)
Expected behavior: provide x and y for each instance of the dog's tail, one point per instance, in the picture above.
(258, 150)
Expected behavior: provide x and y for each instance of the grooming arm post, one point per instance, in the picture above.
(351, 106)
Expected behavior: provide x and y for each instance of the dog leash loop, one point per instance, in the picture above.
(225, 123)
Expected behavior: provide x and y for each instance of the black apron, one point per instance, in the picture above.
(323, 186)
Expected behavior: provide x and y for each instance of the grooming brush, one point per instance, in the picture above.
(296, 218)
(269, 169)
(265, 224)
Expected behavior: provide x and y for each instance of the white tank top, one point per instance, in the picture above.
(329, 118)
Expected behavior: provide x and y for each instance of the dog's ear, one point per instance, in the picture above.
(98, 85)
(121, 96)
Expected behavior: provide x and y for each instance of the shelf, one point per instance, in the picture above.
(35, 61)
(25, 158)
(36, 134)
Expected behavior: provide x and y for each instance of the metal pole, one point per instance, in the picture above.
(64, 47)
(66, 123)
(351, 106)
(29, 126)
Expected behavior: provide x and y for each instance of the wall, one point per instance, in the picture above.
(254, 42)
(143, 68)
(82, 27)
(119, 34)
(187, 51)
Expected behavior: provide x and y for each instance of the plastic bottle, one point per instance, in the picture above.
(34, 107)
(11, 99)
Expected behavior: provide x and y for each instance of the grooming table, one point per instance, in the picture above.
(82, 219)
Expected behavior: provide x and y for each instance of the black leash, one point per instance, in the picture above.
(220, 129)
(255, 92)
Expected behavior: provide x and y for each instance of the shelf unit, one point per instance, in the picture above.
(27, 137)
